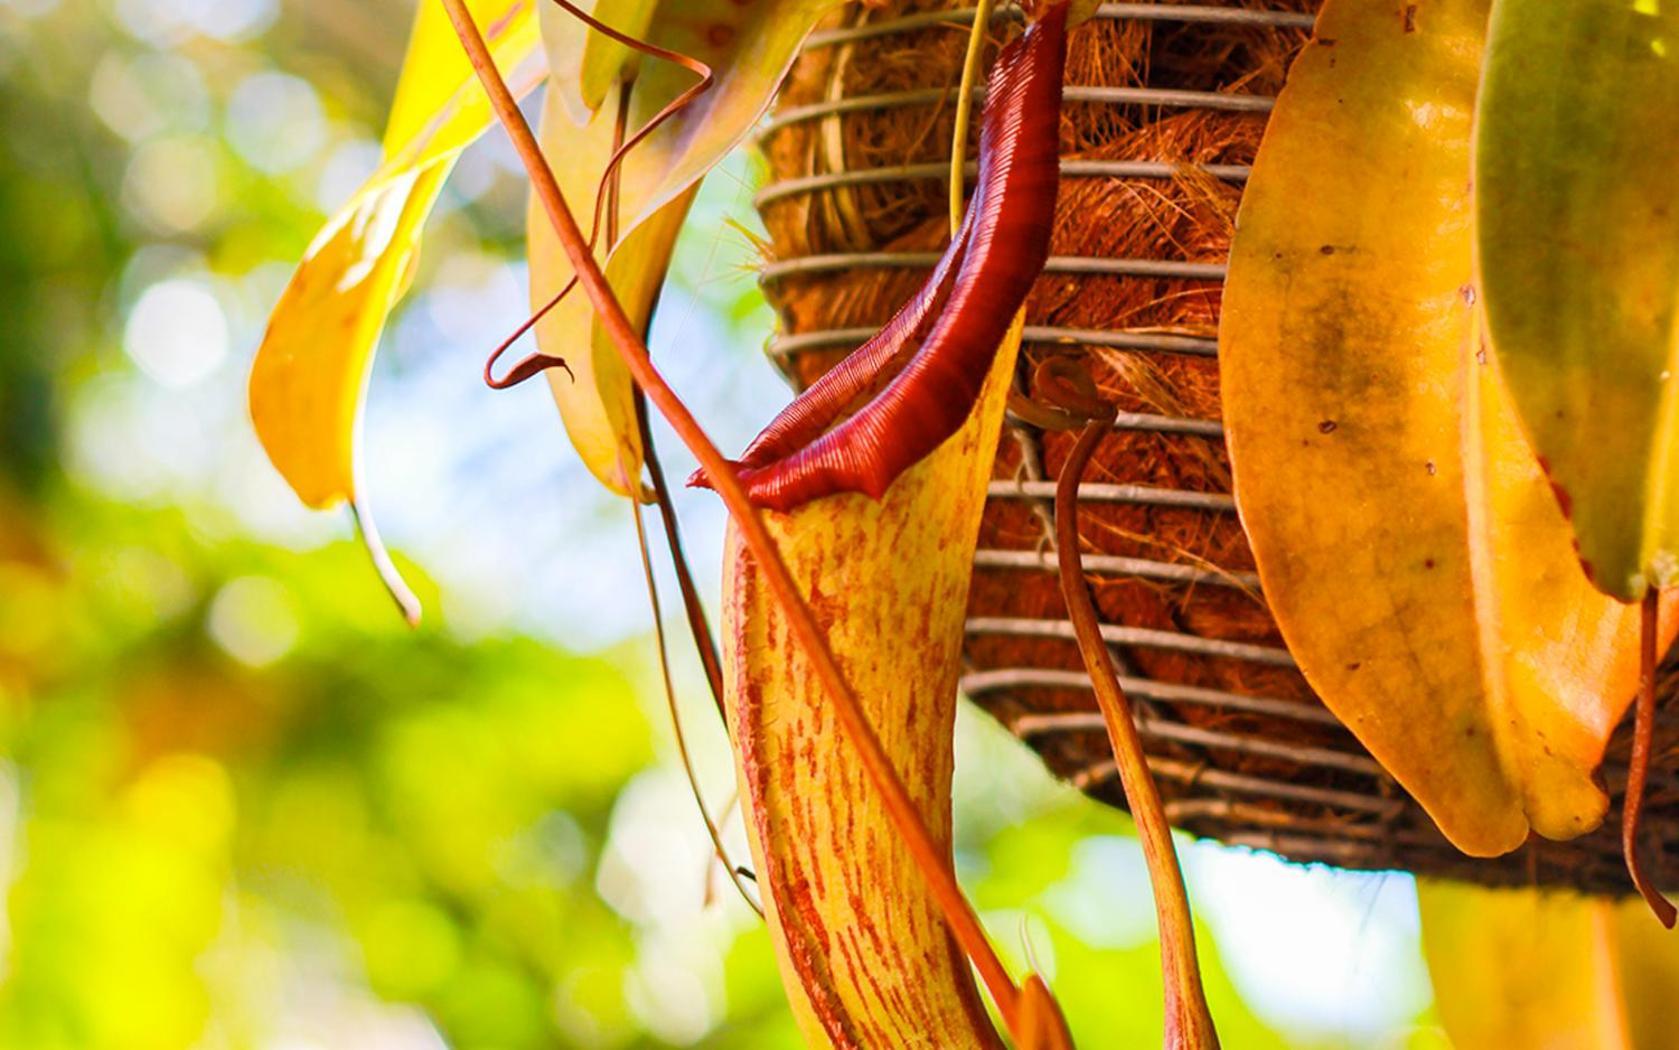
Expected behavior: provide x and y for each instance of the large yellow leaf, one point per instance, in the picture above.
(1405, 536)
(310, 373)
(1648, 955)
(1526, 968)
(1578, 213)
(864, 951)
(749, 48)
(1522, 968)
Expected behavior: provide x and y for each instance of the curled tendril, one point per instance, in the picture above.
(532, 363)
(1067, 398)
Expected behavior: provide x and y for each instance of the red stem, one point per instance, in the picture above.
(675, 712)
(1644, 724)
(1188, 1022)
(933, 863)
(698, 624)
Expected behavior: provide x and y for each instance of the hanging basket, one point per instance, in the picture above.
(1164, 109)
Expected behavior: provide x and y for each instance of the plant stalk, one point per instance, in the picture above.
(933, 865)
(964, 109)
(1189, 1025)
(1644, 724)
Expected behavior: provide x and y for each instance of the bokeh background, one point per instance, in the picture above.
(242, 806)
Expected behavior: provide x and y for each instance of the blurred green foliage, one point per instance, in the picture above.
(229, 770)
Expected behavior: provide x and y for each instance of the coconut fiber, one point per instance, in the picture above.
(1241, 748)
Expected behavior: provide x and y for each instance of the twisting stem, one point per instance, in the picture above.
(704, 642)
(717, 848)
(931, 861)
(612, 192)
(1644, 724)
(1188, 1023)
(964, 109)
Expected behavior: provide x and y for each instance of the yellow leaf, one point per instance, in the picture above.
(434, 67)
(748, 47)
(1648, 955)
(1528, 969)
(1417, 563)
(583, 64)
(864, 952)
(596, 397)
(310, 374)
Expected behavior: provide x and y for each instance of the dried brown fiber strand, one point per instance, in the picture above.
(1242, 750)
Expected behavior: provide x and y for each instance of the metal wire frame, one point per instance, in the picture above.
(1008, 679)
(1192, 774)
(1234, 811)
(1141, 637)
(1177, 732)
(1106, 492)
(784, 346)
(1145, 96)
(1071, 168)
(1171, 98)
(1112, 565)
(964, 16)
(772, 272)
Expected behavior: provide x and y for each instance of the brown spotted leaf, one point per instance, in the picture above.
(1405, 536)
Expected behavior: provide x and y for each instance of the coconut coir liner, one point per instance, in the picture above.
(1301, 786)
